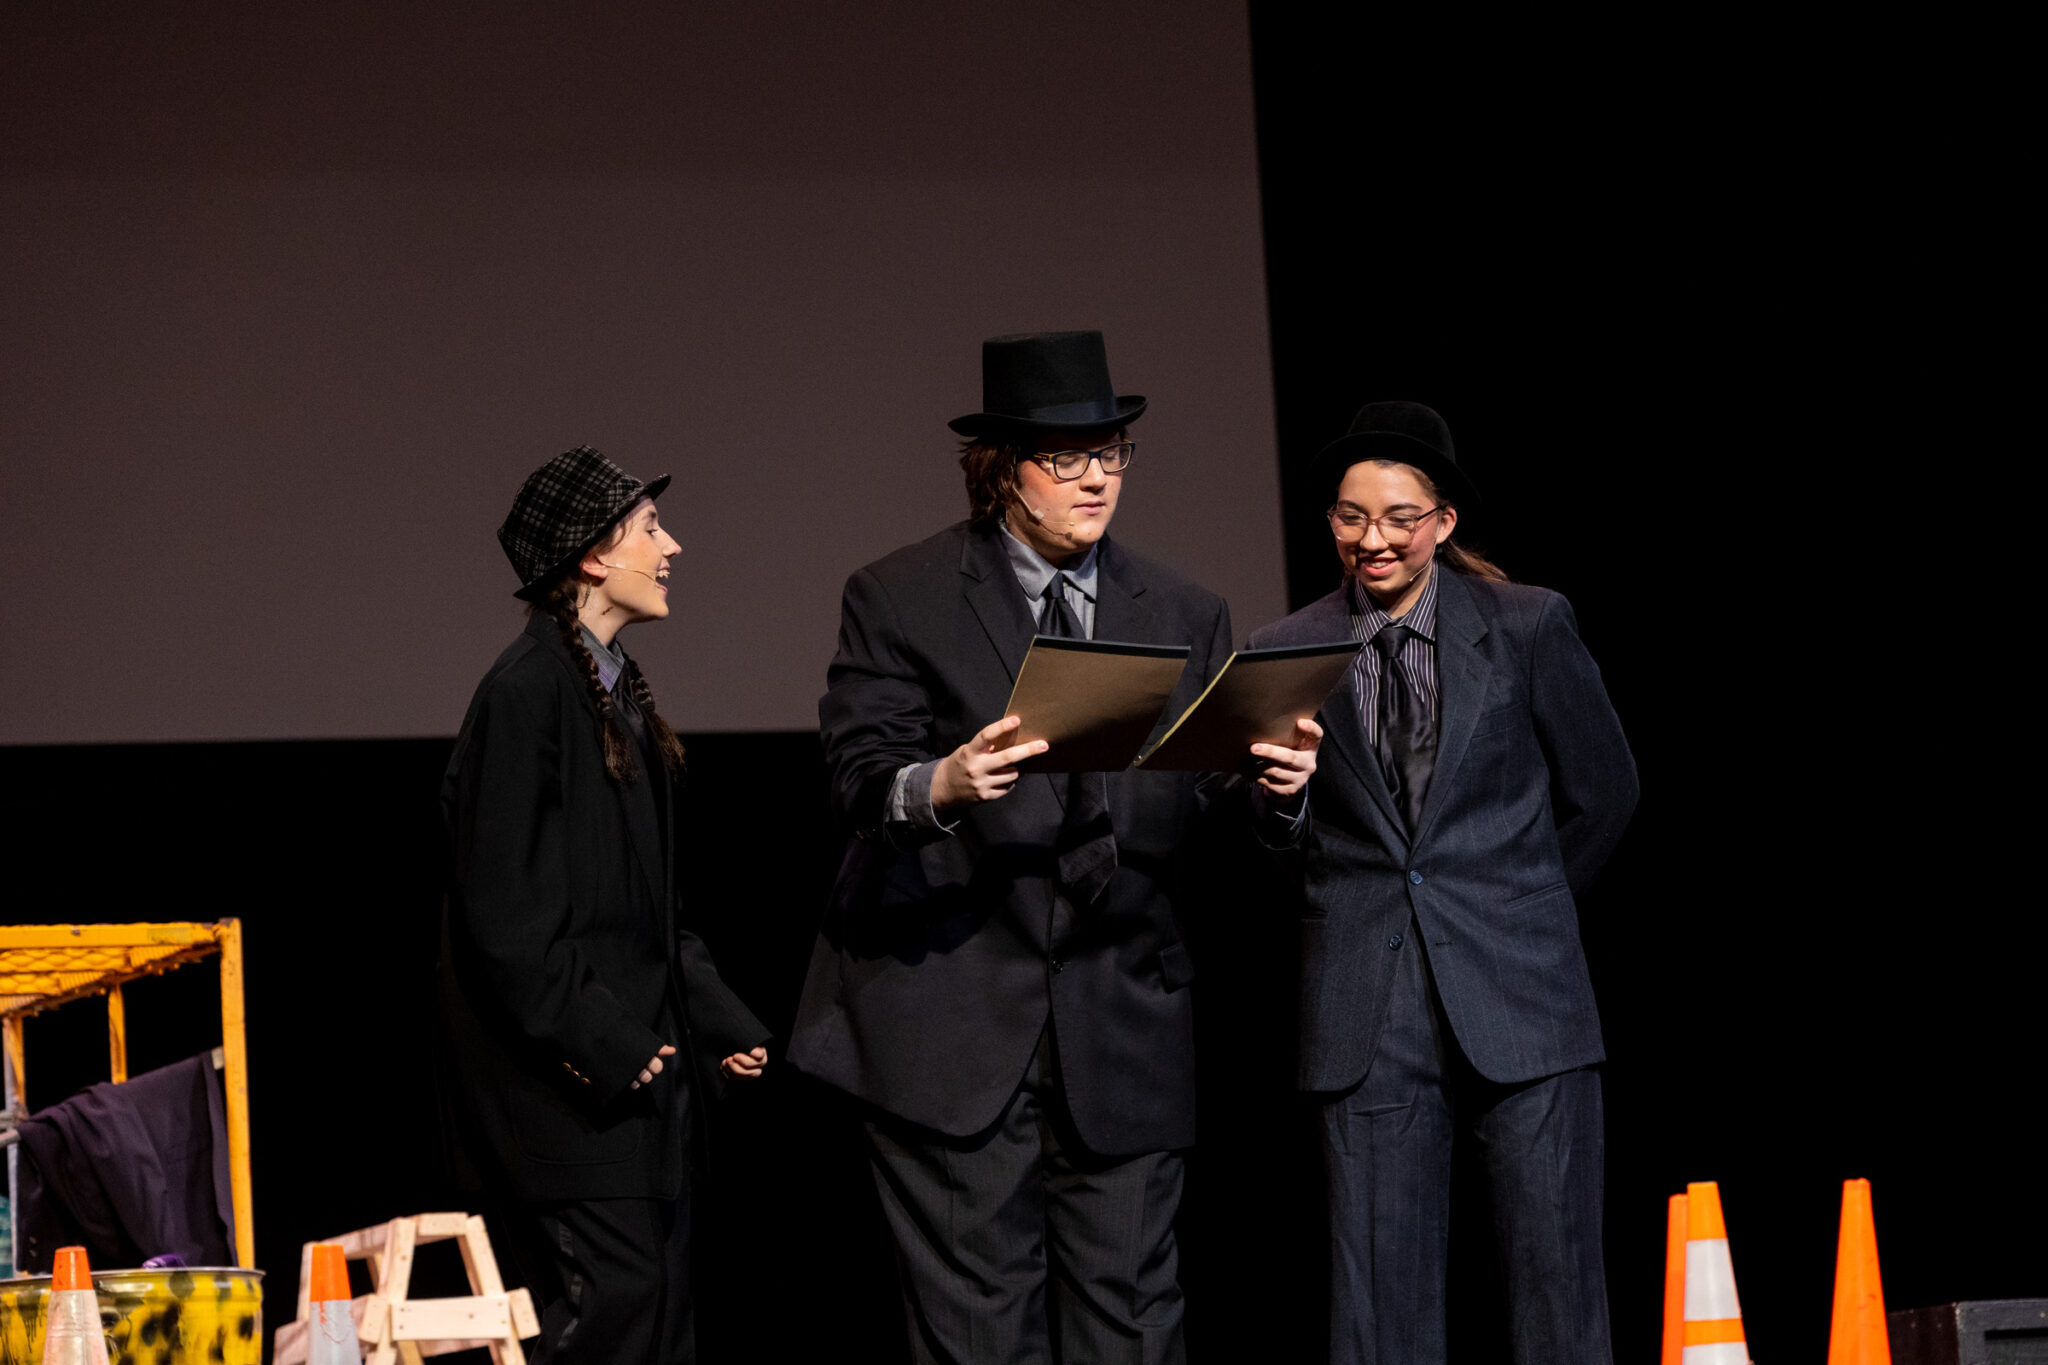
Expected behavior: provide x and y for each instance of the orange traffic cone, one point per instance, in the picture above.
(332, 1338)
(71, 1328)
(1713, 1318)
(1859, 1336)
(1674, 1281)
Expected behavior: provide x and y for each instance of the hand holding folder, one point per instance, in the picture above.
(1093, 702)
(1255, 698)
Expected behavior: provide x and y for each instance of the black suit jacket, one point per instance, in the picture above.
(563, 968)
(938, 966)
(1533, 786)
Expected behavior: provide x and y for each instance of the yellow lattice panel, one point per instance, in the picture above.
(43, 965)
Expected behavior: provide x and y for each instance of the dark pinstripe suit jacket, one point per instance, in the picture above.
(1533, 786)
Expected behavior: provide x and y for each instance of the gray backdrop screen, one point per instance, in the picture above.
(297, 296)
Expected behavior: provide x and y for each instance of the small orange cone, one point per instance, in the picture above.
(1713, 1317)
(71, 1328)
(1674, 1281)
(332, 1338)
(1859, 1336)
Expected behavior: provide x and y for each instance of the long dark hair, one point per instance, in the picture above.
(990, 463)
(559, 603)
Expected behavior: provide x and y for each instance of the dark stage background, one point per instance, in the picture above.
(1691, 379)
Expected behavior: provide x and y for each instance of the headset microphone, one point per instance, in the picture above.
(630, 569)
(1039, 517)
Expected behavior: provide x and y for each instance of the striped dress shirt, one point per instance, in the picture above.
(1418, 654)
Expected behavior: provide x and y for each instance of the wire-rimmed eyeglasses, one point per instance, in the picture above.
(1347, 523)
(1069, 465)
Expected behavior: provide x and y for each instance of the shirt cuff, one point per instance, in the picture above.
(911, 819)
(1276, 827)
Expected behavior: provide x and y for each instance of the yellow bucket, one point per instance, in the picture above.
(188, 1316)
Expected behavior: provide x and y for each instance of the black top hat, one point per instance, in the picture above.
(564, 508)
(1407, 432)
(1046, 379)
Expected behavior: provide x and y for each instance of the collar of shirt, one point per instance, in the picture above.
(1034, 570)
(1368, 619)
(611, 660)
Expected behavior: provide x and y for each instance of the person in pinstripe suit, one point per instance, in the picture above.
(1472, 781)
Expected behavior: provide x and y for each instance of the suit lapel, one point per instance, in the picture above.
(643, 812)
(1122, 612)
(636, 799)
(1331, 620)
(998, 603)
(1462, 676)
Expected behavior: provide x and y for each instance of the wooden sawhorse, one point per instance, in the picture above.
(392, 1326)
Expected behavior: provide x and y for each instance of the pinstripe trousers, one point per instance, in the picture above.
(1387, 1157)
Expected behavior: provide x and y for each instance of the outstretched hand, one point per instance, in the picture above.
(1285, 772)
(979, 771)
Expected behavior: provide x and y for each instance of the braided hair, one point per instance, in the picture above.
(559, 604)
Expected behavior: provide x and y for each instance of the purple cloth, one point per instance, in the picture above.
(130, 1172)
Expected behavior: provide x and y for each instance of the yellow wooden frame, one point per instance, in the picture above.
(43, 966)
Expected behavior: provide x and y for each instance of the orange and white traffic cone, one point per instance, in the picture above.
(1713, 1318)
(71, 1328)
(1674, 1281)
(1859, 1335)
(331, 1339)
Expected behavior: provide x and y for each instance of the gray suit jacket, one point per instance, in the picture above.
(1533, 786)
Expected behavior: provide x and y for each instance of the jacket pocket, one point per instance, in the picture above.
(1540, 893)
(554, 1133)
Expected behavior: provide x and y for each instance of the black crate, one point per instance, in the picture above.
(1993, 1332)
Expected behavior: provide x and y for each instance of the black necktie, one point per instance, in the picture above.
(1058, 618)
(1087, 844)
(1407, 740)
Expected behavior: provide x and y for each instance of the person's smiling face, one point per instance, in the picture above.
(1394, 573)
(632, 568)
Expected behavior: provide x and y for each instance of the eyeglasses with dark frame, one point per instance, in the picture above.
(1347, 523)
(1069, 465)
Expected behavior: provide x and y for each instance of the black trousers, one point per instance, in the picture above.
(1018, 1245)
(1387, 1156)
(610, 1279)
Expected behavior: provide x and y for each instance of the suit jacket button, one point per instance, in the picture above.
(1415, 877)
(1058, 966)
(1394, 942)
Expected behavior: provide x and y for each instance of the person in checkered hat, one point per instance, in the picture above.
(582, 1024)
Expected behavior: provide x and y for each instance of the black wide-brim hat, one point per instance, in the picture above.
(1038, 380)
(1408, 433)
(563, 509)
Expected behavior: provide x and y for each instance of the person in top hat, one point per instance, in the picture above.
(582, 1024)
(1473, 780)
(1002, 976)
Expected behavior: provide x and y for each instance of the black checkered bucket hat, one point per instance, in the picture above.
(564, 508)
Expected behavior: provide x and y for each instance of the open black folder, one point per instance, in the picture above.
(1254, 699)
(1095, 701)
(1092, 701)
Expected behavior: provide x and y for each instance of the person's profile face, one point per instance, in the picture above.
(634, 564)
(1392, 573)
(1061, 520)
